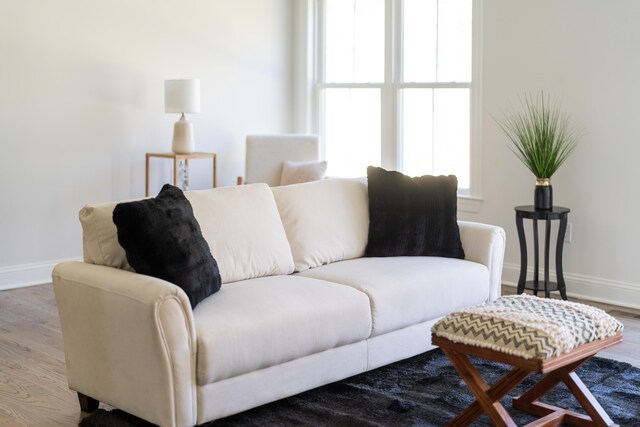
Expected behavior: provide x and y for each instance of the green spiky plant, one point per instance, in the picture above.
(540, 135)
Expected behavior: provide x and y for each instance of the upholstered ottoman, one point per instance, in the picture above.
(531, 334)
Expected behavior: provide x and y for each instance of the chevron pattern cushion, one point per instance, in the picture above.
(527, 326)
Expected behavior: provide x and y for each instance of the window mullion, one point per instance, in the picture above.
(351, 85)
(319, 56)
(398, 64)
(388, 143)
(398, 53)
(434, 85)
(321, 40)
(475, 154)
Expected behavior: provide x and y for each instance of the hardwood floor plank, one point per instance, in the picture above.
(33, 384)
(629, 350)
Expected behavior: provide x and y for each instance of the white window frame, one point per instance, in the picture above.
(309, 82)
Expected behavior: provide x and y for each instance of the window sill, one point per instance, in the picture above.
(469, 204)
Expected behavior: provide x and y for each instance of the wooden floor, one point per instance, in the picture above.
(33, 386)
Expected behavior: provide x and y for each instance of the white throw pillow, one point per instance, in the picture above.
(325, 221)
(241, 225)
(299, 172)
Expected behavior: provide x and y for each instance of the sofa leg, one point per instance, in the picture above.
(87, 404)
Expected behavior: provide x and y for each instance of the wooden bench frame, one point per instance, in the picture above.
(559, 368)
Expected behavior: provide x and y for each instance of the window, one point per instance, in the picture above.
(394, 86)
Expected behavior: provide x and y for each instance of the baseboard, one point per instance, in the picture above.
(590, 288)
(20, 276)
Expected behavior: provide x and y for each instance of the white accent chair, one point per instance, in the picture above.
(265, 155)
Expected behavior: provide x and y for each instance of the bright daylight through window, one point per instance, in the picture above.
(394, 81)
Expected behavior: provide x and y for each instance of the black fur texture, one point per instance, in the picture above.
(162, 238)
(412, 216)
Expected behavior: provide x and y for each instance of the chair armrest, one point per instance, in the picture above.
(129, 341)
(485, 244)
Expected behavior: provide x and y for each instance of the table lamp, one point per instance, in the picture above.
(182, 96)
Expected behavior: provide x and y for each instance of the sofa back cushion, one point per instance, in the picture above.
(100, 244)
(325, 221)
(241, 224)
(244, 231)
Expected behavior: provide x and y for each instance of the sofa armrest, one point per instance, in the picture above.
(485, 244)
(129, 341)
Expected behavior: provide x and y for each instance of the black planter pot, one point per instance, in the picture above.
(543, 195)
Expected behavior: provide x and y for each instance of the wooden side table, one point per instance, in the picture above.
(556, 213)
(178, 158)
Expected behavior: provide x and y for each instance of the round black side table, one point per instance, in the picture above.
(556, 213)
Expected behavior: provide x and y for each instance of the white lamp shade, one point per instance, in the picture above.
(182, 96)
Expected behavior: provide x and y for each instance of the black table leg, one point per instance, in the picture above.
(559, 244)
(541, 284)
(547, 237)
(536, 255)
(523, 255)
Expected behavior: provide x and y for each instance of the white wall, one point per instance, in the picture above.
(584, 53)
(81, 101)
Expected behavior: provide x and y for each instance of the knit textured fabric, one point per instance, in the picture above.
(527, 326)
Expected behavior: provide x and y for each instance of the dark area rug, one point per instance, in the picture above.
(422, 391)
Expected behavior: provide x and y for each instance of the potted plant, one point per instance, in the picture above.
(542, 139)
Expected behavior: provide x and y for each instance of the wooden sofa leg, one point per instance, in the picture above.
(87, 404)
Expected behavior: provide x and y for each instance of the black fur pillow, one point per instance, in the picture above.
(162, 238)
(412, 216)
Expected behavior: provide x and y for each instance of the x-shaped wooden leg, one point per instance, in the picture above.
(557, 368)
(552, 415)
(487, 398)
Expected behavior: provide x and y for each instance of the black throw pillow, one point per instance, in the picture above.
(412, 216)
(162, 238)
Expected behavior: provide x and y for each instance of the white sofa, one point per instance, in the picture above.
(299, 307)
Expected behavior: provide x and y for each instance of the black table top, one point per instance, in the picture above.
(531, 212)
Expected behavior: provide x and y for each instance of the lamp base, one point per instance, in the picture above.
(183, 141)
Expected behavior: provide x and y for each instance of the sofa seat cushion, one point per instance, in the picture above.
(258, 323)
(404, 291)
